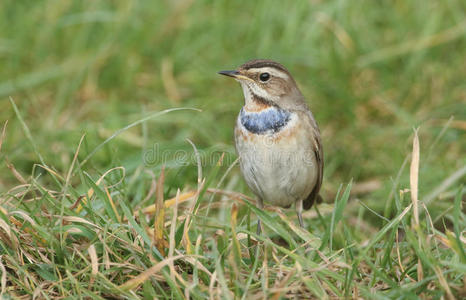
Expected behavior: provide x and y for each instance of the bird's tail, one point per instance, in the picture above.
(307, 203)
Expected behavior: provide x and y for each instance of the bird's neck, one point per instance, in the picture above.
(257, 105)
(253, 102)
(260, 115)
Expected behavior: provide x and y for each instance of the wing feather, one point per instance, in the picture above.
(319, 155)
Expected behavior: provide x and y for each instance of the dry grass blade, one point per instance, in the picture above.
(413, 180)
(94, 263)
(13, 170)
(110, 199)
(159, 241)
(3, 278)
(236, 253)
(2, 137)
(400, 264)
(212, 284)
(200, 184)
(177, 200)
(232, 195)
(171, 245)
(186, 241)
(77, 220)
(443, 282)
(265, 269)
(414, 177)
(23, 215)
(171, 248)
(151, 209)
(50, 170)
(7, 235)
(136, 281)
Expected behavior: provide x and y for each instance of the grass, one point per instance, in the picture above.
(118, 171)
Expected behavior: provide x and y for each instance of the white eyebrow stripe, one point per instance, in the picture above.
(271, 71)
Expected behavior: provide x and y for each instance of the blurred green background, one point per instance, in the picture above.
(371, 71)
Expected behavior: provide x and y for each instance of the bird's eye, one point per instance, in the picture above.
(264, 77)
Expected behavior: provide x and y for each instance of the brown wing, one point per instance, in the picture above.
(319, 154)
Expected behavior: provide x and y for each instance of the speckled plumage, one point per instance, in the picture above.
(277, 138)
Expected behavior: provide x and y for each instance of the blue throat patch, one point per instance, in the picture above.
(272, 119)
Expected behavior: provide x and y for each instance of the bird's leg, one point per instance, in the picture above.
(299, 212)
(260, 205)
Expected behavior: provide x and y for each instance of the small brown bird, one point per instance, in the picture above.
(277, 138)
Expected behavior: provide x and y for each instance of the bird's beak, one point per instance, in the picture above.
(232, 73)
(235, 74)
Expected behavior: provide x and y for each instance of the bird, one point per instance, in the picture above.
(277, 138)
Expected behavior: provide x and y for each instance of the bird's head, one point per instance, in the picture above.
(266, 81)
